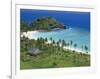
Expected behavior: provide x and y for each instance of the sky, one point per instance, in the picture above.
(68, 18)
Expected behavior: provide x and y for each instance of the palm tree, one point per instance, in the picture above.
(58, 46)
(51, 39)
(40, 42)
(53, 42)
(75, 45)
(59, 40)
(57, 43)
(71, 42)
(63, 43)
(86, 48)
(46, 39)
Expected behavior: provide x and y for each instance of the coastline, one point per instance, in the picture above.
(30, 36)
(72, 49)
(77, 50)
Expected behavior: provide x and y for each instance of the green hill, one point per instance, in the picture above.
(42, 23)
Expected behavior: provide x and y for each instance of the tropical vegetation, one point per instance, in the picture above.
(52, 55)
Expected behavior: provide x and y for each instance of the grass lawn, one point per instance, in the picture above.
(53, 57)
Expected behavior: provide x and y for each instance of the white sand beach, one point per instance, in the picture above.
(31, 34)
(74, 49)
(70, 48)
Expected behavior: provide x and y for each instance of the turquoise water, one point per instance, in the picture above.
(79, 36)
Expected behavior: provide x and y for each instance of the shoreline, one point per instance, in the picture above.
(77, 50)
(72, 49)
(30, 36)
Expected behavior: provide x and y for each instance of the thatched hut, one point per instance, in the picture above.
(34, 51)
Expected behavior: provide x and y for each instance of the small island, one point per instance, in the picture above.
(42, 24)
